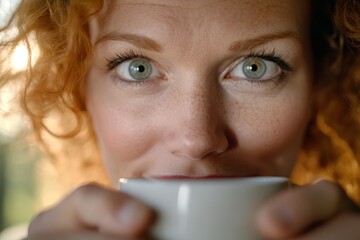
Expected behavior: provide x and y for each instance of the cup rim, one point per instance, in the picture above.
(244, 180)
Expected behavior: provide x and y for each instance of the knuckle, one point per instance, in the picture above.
(38, 222)
(330, 190)
(330, 186)
(335, 195)
(87, 189)
(84, 192)
(83, 198)
(93, 195)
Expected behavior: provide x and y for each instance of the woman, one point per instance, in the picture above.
(198, 89)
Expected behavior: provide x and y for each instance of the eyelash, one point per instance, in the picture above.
(269, 56)
(122, 57)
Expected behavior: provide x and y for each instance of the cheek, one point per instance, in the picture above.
(123, 133)
(272, 131)
(279, 125)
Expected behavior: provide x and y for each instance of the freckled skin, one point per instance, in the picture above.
(193, 122)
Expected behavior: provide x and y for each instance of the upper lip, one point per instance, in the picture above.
(197, 171)
(195, 176)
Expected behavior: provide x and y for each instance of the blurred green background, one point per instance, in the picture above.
(19, 188)
(17, 183)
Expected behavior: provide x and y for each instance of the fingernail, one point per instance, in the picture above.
(283, 216)
(132, 213)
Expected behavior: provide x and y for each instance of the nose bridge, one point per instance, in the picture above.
(198, 107)
(198, 129)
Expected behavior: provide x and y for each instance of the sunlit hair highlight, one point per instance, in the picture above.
(332, 146)
(51, 88)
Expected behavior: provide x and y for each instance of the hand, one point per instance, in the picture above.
(77, 236)
(92, 211)
(321, 211)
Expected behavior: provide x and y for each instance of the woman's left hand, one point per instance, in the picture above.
(321, 211)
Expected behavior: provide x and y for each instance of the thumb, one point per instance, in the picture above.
(294, 211)
(92, 207)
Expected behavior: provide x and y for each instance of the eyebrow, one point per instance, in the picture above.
(149, 44)
(139, 41)
(243, 45)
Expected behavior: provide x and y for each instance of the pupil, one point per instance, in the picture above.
(141, 68)
(254, 67)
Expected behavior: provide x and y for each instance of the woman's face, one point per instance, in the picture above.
(200, 88)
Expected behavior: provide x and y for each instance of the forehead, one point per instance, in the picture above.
(169, 19)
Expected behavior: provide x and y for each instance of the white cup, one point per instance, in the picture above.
(211, 209)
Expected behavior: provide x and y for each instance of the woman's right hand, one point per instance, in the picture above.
(92, 211)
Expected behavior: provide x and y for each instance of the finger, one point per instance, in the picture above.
(78, 236)
(87, 235)
(345, 226)
(93, 207)
(296, 210)
(71, 236)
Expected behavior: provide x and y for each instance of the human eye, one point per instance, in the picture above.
(133, 68)
(258, 68)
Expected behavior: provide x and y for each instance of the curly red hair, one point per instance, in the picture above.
(51, 88)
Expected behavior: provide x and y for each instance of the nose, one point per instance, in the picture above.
(197, 130)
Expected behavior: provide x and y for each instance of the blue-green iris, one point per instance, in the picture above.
(140, 69)
(254, 68)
